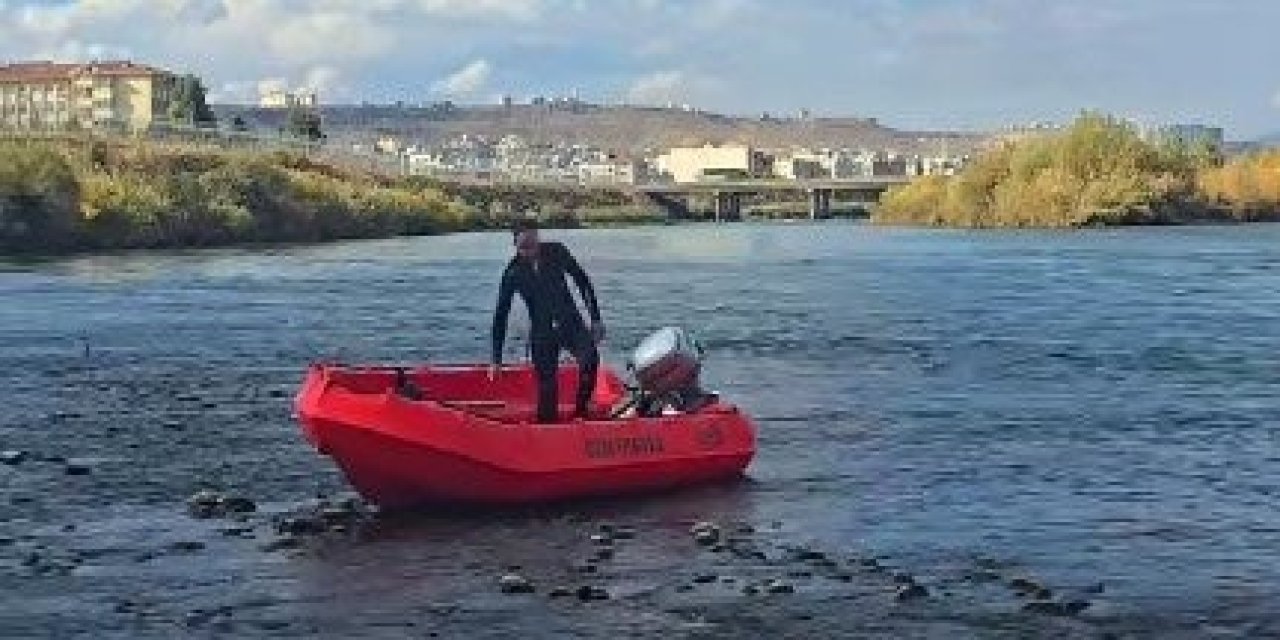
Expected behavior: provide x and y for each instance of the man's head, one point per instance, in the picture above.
(524, 233)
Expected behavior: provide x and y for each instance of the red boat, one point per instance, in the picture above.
(461, 438)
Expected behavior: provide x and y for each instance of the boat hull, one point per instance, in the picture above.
(472, 442)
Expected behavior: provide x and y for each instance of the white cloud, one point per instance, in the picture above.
(713, 14)
(236, 92)
(326, 81)
(195, 11)
(76, 51)
(911, 63)
(329, 35)
(661, 87)
(509, 9)
(321, 79)
(466, 81)
(272, 85)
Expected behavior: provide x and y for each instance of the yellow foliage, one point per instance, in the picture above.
(1249, 187)
(1099, 171)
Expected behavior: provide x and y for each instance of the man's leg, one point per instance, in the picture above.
(546, 356)
(588, 358)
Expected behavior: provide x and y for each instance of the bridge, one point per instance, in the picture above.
(728, 194)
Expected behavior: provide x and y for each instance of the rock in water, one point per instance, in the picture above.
(300, 526)
(588, 593)
(1030, 588)
(205, 504)
(1043, 607)
(809, 555)
(238, 505)
(1075, 607)
(281, 544)
(514, 583)
(706, 533)
(707, 537)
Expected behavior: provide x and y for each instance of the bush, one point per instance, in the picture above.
(142, 195)
(1247, 188)
(39, 198)
(1099, 171)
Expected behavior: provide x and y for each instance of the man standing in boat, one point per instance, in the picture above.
(537, 272)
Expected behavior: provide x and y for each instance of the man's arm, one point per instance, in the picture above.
(506, 290)
(584, 286)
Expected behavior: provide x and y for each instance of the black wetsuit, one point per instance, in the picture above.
(554, 320)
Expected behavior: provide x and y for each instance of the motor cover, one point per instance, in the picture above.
(667, 361)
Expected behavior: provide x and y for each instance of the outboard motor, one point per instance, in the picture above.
(666, 367)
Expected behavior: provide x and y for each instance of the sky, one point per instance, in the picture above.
(920, 64)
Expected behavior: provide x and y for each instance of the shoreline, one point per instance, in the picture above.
(265, 247)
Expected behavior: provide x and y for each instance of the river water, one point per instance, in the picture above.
(1099, 409)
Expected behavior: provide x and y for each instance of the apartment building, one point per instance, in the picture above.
(52, 96)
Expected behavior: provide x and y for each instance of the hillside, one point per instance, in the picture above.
(609, 127)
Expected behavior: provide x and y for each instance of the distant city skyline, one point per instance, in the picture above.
(916, 64)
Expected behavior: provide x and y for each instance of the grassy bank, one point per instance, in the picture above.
(1100, 171)
(97, 194)
(102, 194)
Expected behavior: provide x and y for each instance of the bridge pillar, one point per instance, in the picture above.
(819, 203)
(728, 206)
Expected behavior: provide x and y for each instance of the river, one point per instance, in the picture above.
(1098, 409)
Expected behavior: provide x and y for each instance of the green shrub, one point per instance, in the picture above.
(104, 193)
(39, 198)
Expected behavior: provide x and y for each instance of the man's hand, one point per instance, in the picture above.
(597, 332)
(495, 370)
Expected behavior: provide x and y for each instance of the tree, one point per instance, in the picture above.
(189, 105)
(303, 123)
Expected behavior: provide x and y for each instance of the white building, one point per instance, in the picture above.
(610, 172)
(692, 164)
(802, 164)
(279, 98)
